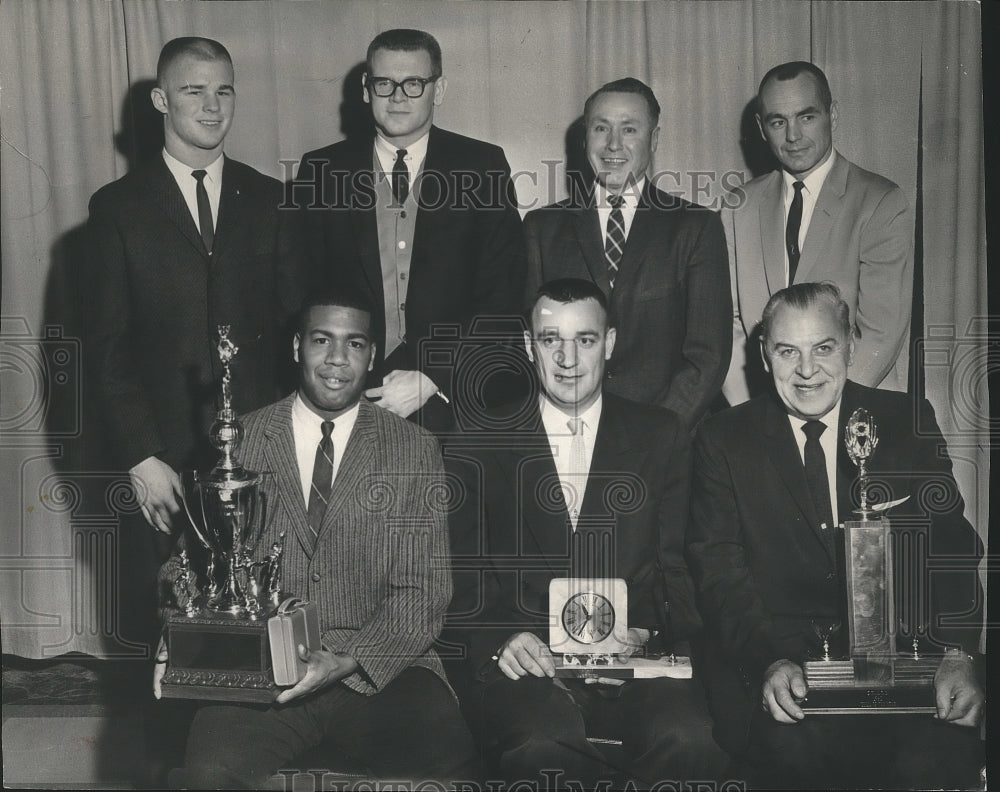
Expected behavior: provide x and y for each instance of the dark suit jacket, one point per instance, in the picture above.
(157, 297)
(671, 300)
(512, 534)
(762, 568)
(379, 569)
(468, 250)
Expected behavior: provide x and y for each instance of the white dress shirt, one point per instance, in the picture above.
(813, 183)
(828, 442)
(560, 436)
(189, 185)
(630, 194)
(416, 152)
(307, 430)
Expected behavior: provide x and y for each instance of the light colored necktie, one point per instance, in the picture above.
(577, 473)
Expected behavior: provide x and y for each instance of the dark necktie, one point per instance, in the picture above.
(400, 178)
(792, 232)
(614, 244)
(816, 478)
(322, 480)
(204, 211)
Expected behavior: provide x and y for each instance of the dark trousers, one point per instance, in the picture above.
(536, 729)
(412, 729)
(863, 752)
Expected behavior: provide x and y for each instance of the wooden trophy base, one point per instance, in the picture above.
(612, 667)
(218, 656)
(840, 687)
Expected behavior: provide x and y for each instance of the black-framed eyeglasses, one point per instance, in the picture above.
(413, 87)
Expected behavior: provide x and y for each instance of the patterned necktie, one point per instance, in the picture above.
(792, 232)
(614, 244)
(400, 177)
(816, 477)
(204, 211)
(322, 480)
(577, 470)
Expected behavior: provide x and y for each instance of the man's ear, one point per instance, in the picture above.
(364, 88)
(760, 126)
(654, 139)
(609, 342)
(763, 356)
(527, 346)
(295, 348)
(371, 360)
(159, 98)
(440, 86)
(834, 115)
(850, 350)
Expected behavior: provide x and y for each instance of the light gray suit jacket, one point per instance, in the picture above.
(860, 238)
(379, 572)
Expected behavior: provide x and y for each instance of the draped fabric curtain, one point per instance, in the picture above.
(75, 114)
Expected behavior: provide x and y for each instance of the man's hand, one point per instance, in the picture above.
(525, 653)
(325, 668)
(160, 668)
(403, 392)
(636, 639)
(158, 490)
(784, 686)
(959, 697)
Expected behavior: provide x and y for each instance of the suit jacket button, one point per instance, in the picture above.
(315, 577)
(830, 576)
(610, 375)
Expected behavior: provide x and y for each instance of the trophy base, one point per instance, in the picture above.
(219, 656)
(611, 667)
(835, 688)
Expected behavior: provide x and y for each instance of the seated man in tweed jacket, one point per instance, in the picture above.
(368, 544)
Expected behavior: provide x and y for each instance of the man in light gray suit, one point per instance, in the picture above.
(818, 218)
(354, 491)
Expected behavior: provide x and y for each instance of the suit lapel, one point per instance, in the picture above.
(828, 206)
(772, 234)
(355, 465)
(611, 445)
(587, 231)
(359, 195)
(279, 454)
(168, 195)
(784, 453)
(230, 209)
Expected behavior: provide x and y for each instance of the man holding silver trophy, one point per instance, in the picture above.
(773, 479)
(355, 503)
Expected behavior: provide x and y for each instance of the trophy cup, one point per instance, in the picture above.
(874, 678)
(217, 640)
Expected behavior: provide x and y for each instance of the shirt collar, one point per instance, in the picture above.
(830, 420)
(631, 194)
(555, 420)
(182, 171)
(814, 181)
(303, 415)
(415, 152)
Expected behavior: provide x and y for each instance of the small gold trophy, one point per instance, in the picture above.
(217, 640)
(873, 678)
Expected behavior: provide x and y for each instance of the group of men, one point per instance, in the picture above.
(397, 251)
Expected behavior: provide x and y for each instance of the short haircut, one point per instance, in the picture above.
(628, 85)
(405, 40)
(341, 296)
(803, 296)
(570, 290)
(791, 70)
(200, 48)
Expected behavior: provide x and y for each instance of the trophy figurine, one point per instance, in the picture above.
(873, 678)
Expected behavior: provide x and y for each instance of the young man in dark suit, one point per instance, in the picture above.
(424, 220)
(178, 246)
(365, 539)
(531, 513)
(772, 481)
(660, 260)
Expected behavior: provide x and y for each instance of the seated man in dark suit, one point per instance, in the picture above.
(582, 484)
(772, 481)
(365, 543)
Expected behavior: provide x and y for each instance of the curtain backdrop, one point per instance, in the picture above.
(75, 115)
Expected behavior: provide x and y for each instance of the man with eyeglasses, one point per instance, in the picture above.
(423, 220)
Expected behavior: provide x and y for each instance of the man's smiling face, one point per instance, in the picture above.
(621, 139)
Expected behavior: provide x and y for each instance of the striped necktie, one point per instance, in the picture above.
(322, 480)
(614, 244)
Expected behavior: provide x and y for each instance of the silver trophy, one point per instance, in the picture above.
(861, 439)
(228, 509)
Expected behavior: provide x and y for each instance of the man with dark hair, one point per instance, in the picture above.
(179, 246)
(422, 219)
(772, 481)
(660, 260)
(581, 484)
(376, 568)
(819, 217)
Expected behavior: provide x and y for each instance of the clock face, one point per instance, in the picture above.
(588, 617)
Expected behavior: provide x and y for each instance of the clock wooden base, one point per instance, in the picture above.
(219, 656)
(650, 667)
(845, 687)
